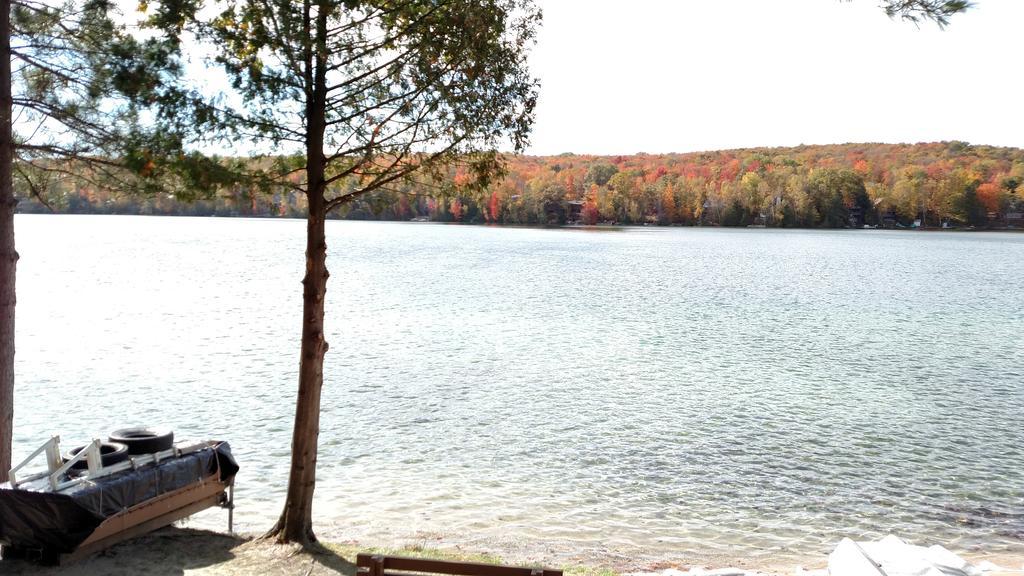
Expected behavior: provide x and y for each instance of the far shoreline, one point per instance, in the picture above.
(584, 227)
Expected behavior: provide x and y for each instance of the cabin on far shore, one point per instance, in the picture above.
(575, 211)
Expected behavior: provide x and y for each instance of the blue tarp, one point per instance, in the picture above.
(60, 521)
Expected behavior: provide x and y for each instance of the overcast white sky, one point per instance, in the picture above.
(685, 75)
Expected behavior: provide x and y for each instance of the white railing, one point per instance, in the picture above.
(55, 466)
(53, 461)
(57, 469)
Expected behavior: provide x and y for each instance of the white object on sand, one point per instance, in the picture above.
(850, 559)
(891, 556)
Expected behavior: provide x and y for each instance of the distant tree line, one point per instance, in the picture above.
(836, 186)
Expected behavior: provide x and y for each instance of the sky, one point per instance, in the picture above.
(662, 76)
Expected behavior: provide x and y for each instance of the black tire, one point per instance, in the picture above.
(110, 453)
(143, 440)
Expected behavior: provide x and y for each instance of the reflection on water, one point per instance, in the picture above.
(653, 392)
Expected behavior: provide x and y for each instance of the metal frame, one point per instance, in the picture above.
(230, 505)
(55, 466)
(57, 469)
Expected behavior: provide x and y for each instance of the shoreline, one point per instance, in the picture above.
(594, 227)
(610, 551)
(183, 550)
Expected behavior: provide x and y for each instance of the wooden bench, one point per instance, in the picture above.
(377, 565)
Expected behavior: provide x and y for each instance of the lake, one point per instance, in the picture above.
(639, 393)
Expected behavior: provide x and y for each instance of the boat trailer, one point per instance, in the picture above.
(67, 513)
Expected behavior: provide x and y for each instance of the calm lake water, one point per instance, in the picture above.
(641, 393)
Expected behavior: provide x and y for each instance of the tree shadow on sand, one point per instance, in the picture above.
(165, 552)
(175, 551)
(331, 560)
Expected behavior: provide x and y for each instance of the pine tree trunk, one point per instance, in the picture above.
(296, 521)
(8, 255)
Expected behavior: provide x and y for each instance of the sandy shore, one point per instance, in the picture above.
(186, 551)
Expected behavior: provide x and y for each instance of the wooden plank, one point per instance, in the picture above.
(140, 529)
(375, 565)
(156, 507)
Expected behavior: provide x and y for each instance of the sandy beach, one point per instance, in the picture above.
(186, 551)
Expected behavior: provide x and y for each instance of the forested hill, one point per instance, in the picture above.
(947, 183)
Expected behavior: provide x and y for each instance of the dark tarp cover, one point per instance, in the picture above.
(60, 521)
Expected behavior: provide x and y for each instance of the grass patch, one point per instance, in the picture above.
(575, 570)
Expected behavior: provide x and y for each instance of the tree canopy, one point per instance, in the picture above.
(403, 86)
(939, 11)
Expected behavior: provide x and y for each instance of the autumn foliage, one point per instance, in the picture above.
(806, 186)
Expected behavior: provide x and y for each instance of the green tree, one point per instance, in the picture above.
(754, 194)
(960, 197)
(367, 92)
(600, 173)
(832, 193)
(910, 192)
(66, 109)
(550, 208)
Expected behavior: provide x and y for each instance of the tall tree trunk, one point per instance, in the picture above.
(8, 255)
(296, 522)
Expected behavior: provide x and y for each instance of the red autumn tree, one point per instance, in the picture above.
(494, 208)
(457, 210)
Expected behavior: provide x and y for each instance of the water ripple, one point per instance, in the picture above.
(681, 392)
